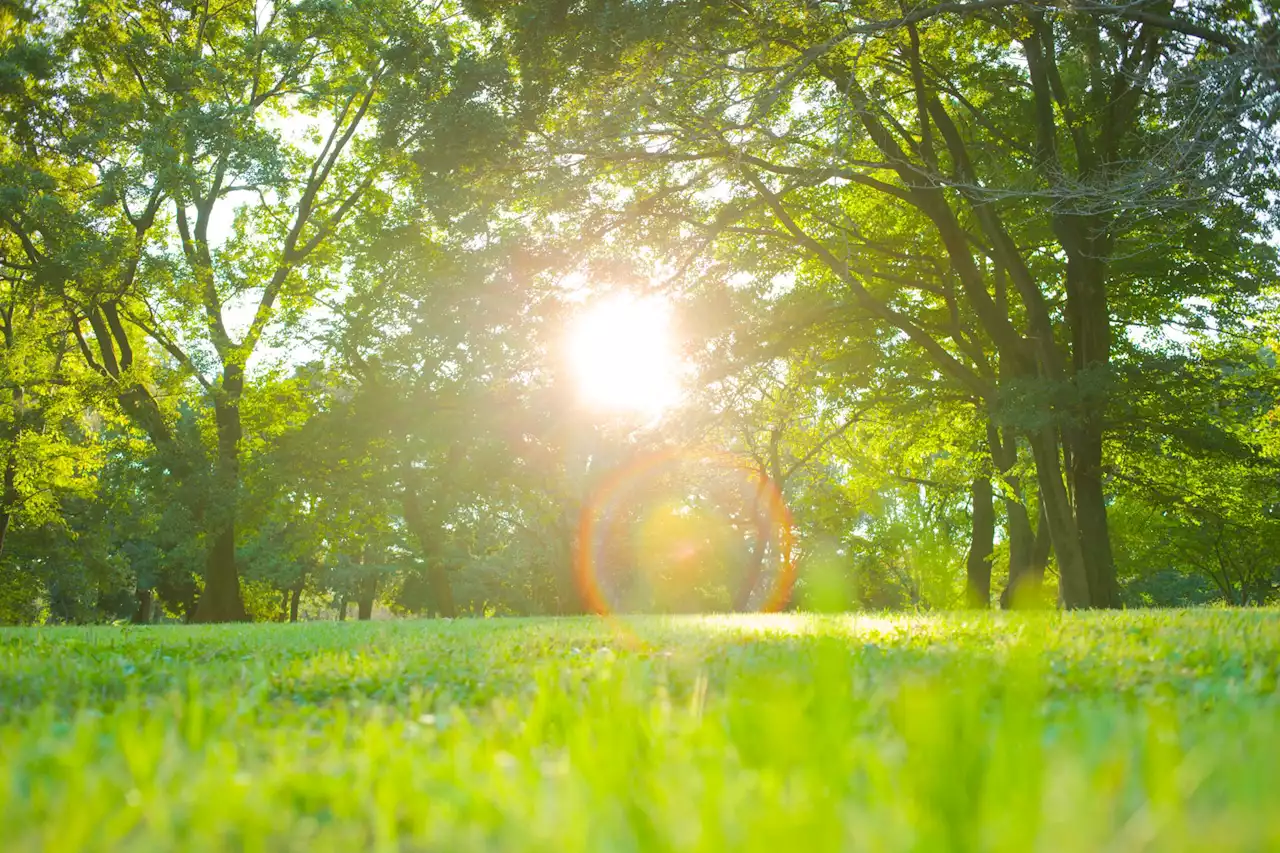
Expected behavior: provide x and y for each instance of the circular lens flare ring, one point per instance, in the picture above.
(769, 505)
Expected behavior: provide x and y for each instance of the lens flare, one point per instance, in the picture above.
(636, 536)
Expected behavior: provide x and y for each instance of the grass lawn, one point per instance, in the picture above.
(1147, 730)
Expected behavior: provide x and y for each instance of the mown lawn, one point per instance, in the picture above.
(1080, 732)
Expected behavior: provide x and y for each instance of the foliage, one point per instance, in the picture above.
(969, 300)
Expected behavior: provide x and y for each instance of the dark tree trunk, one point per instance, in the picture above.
(441, 589)
(771, 482)
(754, 568)
(9, 491)
(1042, 549)
(342, 609)
(366, 590)
(1090, 324)
(981, 545)
(221, 601)
(364, 603)
(1024, 587)
(1091, 516)
(193, 604)
(142, 614)
(4, 525)
(295, 598)
(1073, 587)
(4, 529)
(437, 573)
(1023, 584)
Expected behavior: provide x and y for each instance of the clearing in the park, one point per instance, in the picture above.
(1156, 730)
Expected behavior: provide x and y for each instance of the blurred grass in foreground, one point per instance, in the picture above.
(1149, 730)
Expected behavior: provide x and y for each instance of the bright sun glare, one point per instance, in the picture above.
(622, 354)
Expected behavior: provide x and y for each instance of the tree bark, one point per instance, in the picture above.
(221, 601)
(142, 614)
(760, 544)
(1042, 548)
(981, 545)
(1023, 584)
(9, 490)
(295, 598)
(342, 609)
(366, 589)
(1090, 324)
(8, 495)
(1073, 588)
(1091, 516)
(364, 601)
(1023, 589)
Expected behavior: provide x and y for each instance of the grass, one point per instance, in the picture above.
(1143, 730)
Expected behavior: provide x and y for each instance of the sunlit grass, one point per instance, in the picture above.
(1125, 732)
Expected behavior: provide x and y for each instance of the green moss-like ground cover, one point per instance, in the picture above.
(1078, 732)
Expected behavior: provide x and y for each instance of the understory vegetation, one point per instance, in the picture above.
(1136, 731)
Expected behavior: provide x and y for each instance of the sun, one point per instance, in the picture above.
(622, 355)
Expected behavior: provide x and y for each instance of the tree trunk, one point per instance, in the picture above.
(1091, 516)
(437, 574)
(754, 568)
(441, 589)
(284, 605)
(760, 544)
(569, 597)
(342, 609)
(1024, 587)
(142, 614)
(295, 598)
(221, 601)
(4, 529)
(9, 491)
(981, 546)
(8, 495)
(1073, 588)
(364, 602)
(1090, 323)
(367, 589)
(1042, 548)
(1023, 584)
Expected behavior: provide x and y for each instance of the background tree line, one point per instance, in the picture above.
(986, 292)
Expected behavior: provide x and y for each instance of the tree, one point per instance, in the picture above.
(245, 135)
(1017, 151)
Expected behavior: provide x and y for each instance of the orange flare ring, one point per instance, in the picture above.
(616, 486)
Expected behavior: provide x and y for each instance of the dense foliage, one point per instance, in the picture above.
(974, 303)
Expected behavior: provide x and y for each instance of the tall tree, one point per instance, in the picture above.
(231, 144)
(1022, 150)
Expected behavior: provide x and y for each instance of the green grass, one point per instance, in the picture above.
(1081, 732)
